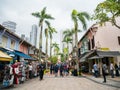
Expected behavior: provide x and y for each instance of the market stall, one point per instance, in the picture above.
(4, 69)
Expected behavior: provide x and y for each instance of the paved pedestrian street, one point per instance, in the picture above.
(61, 83)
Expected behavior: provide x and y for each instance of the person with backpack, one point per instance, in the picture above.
(41, 70)
(104, 68)
(56, 68)
(51, 69)
(95, 67)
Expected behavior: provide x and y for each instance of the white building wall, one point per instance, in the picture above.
(107, 37)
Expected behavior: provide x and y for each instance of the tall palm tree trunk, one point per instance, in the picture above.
(76, 34)
(46, 50)
(50, 47)
(76, 44)
(47, 45)
(40, 44)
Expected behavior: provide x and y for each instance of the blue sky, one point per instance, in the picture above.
(20, 11)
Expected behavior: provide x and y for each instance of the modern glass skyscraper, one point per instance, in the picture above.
(10, 25)
(33, 35)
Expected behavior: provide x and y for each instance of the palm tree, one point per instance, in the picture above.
(56, 48)
(67, 40)
(51, 30)
(82, 17)
(46, 35)
(70, 33)
(42, 17)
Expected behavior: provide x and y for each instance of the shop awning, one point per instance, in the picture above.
(99, 54)
(108, 53)
(4, 57)
(25, 56)
(102, 54)
(95, 57)
(84, 57)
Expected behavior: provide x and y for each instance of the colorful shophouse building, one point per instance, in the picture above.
(12, 43)
(100, 43)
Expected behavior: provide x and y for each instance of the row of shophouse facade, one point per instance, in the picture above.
(98, 44)
(10, 41)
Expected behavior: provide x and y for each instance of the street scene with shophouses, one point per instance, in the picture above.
(59, 45)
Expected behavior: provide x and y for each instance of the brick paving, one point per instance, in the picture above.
(61, 83)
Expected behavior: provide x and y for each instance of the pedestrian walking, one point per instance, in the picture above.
(112, 70)
(51, 68)
(116, 70)
(104, 68)
(41, 71)
(61, 70)
(75, 71)
(30, 70)
(95, 67)
(56, 70)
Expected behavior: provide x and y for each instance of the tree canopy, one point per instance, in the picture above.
(107, 11)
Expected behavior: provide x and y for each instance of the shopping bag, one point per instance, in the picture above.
(5, 83)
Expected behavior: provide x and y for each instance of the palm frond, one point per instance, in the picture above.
(67, 39)
(86, 15)
(83, 21)
(43, 12)
(55, 45)
(54, 30)
(47, 23)
(48, 16)
(74, 18)
(36, 14)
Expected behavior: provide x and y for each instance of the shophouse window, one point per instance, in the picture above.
(12, 44)
(119, 40)
(86, 46)
(82, 50)
(4, 41)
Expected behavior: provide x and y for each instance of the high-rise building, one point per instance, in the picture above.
(33, 35)
(10, 25)
(23, 36)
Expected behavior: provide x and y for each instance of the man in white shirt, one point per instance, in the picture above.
(30, 71)
(112, 70)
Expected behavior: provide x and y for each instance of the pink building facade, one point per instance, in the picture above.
(100, 43)
(24, 47)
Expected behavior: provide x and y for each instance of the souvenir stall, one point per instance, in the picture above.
(6, 76)
(23, 60)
